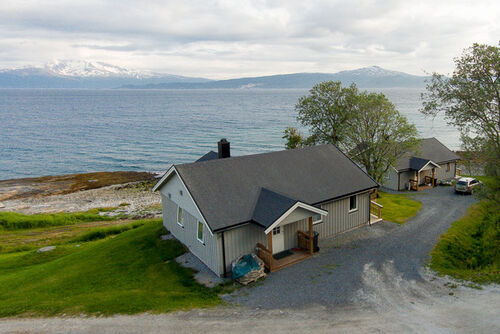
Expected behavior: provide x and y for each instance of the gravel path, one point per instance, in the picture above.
(339, 272)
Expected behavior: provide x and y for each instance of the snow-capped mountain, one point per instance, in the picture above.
(83, 74)
(80, 68)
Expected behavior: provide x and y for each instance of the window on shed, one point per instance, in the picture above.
(353, 203)
(200, 232)
(180, 220)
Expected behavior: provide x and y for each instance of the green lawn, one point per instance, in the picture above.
(130, 272)
(470, 249)
(17, 221)
(398, 208)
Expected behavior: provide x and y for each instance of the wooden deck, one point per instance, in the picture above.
(297, 256)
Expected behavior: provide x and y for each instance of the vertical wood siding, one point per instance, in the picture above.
(207, 251)
(290, 232)
(391, 181)
(241, 241)
(442, 173)
(340, 220)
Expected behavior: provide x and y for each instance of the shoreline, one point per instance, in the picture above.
(81, 192)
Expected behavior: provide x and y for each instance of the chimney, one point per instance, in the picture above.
(224, 151)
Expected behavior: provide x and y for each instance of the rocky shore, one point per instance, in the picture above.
(128, 192)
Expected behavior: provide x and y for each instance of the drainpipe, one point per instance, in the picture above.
(224, 254)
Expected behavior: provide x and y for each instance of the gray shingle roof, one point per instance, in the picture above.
(227, 190)
(270, 206)
(430, 149)
(210, 155)
(418, 163)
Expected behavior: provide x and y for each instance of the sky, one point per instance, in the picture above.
(235, 38)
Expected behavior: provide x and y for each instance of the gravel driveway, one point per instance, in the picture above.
(340, 271)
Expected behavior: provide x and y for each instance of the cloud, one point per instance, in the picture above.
(221, 39)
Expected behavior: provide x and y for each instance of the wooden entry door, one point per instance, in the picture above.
(278, 239)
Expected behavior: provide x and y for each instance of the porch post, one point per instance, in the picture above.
(270, 241)
(418, 179)
(433, 177)
(270, 248)
(311, 234)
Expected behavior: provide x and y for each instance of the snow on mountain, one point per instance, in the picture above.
(80, 68)
(373, 71)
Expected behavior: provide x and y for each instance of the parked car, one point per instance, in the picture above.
(466, 185)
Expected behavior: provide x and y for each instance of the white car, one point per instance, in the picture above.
(466, 185)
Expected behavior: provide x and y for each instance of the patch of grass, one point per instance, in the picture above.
(18, 221)
(131, 273)
(124, 204)
(29, 239)
(103, 232)
(470, 249)
(398, 208)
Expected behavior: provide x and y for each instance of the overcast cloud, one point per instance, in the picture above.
(226, 39)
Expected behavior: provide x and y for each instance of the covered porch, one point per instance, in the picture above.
(425, 174)
(303, 251)
(288, 226)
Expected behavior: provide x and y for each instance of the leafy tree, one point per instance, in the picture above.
(470, 101)
(366, 126)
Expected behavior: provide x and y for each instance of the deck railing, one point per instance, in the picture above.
(376, 209)
(304, 241)
(265, 255)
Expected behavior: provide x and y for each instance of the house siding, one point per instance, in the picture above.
(240, 241)
(442, 173)
(290, 232)
(206, 251)
(339, 219)
(391, 179)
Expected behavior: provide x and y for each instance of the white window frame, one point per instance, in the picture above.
(320, 220)
(198, 232)
(277, 230)
(181, 222)
(356, 203)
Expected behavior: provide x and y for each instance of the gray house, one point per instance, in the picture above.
(431, 163)
(222, 207)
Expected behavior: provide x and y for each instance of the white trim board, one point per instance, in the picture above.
(165, 178)
(295, 206)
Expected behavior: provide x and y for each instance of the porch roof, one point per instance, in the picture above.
(272, 208)
(420, 163)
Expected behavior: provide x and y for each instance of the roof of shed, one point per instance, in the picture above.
(228, 190)
(429, 149)
(210, 155)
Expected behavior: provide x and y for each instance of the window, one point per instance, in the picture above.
(317, 219)
(448, 167)
(180, 219)
(200, 232)
(276, 230)
(353, 203)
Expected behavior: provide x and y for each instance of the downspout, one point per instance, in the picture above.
(223, 253)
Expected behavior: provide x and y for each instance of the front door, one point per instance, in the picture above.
(278, 240)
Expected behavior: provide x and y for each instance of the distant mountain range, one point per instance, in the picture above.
(81, 74)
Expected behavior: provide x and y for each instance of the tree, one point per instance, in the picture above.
(366, 126)
(470, 101)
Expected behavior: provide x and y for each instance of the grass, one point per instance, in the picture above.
(470, 249)
(398, 208)
(131, 272)
(17, 221)
(103, 232)
(29, 239)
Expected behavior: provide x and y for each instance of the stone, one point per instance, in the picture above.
(167, 237)
(46, 249)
